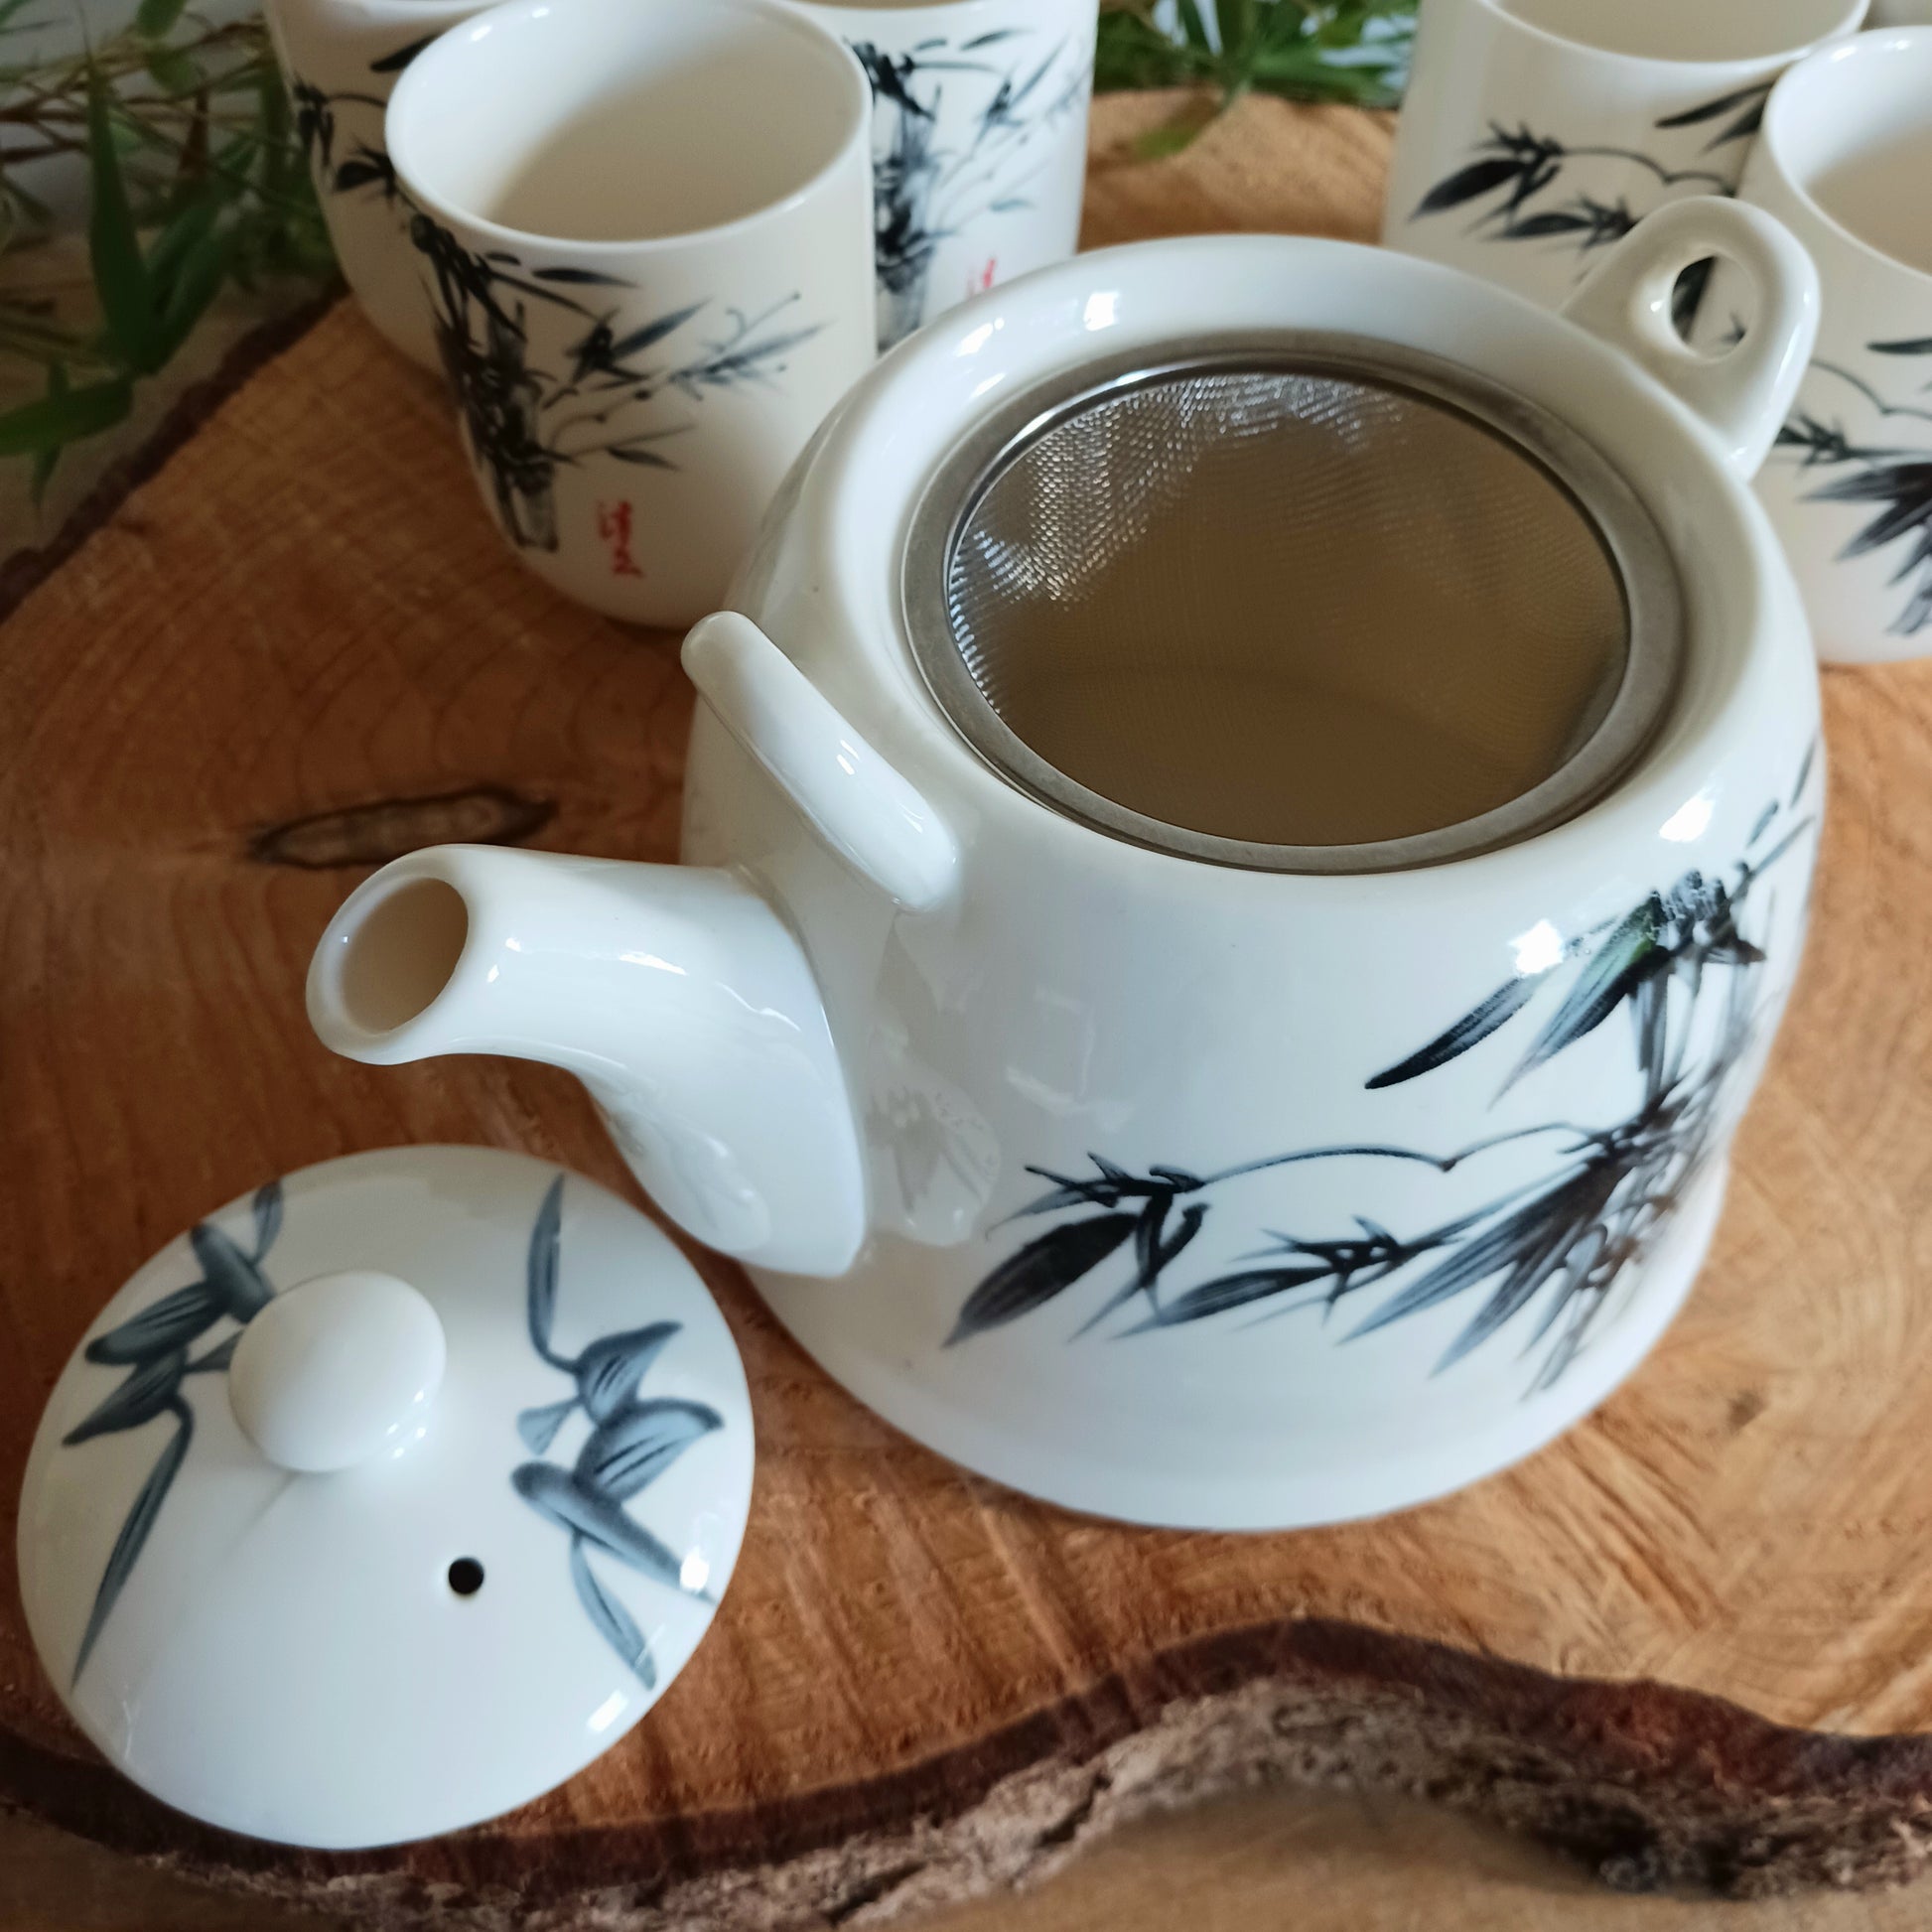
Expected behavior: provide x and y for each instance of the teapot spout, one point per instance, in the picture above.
(674, 993)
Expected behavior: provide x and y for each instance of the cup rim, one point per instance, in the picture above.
(1851, 13)
(1779, 107)
(421, 74)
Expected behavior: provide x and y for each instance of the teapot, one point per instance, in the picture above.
(1136, 1026)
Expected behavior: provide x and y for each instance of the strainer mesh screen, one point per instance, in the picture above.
(1288, 607)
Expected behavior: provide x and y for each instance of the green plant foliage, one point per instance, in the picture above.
(195, 180)
(1350, 51)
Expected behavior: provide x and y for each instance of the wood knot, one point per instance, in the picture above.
(386, 828)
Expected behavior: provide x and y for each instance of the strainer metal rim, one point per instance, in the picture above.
(1639, 551)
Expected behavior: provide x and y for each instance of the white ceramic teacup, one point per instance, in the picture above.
(643, 236)
(1845, 162)
(1535, 133)
(340, 60)
(979, 142)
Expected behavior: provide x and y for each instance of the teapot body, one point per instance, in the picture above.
(1182, 1191)
(1219, 1196)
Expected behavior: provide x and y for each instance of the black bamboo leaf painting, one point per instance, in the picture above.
(541, 1295)
(151, 1386)
(608, 1371)
(319, 116)
(588, 278)
(1546, 1252)
(539, 1426)
(566, 1501)
(615, 1624)
(1474, 1027)
(925, 192)
(639, 1443)
(402, 58)
(1509, 179)
(153, 1346)
(1893, 479)
(1746, 108)
(233, 1277)
(135, 1529)
(525, 423)
(172, 1321)
(268, 1211)
(1045, 1267)
(631, 1441)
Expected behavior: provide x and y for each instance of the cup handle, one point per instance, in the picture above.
(877, 822)
(1741, 396)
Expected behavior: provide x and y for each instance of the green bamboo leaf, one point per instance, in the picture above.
(64, 416)
(1170, 138)
(183, 236)
(197, 282)
(173, 72)
(46, 458)
(1194, 27)
(120, 275)
(156, 18)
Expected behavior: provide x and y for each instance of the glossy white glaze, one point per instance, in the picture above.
(404, 1646)
(1742, 393)
(338, 1371)
(676, 994)
(1535, 132)
(1843, 162)
(1075, 1006)
(340, 60)
(979, 143)
(643, 233)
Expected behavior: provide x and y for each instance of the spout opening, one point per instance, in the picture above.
(401, 954)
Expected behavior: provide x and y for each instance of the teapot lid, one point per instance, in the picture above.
(386, 1498)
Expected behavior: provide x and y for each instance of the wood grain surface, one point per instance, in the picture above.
(1689, 1642)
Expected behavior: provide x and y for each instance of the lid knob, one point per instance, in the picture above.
(336, 1370)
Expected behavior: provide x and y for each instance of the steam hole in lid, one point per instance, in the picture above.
(402, 955)
(466, 1575)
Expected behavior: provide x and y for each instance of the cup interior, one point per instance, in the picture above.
(624, 120)
(1852, 129)
(1671, 29)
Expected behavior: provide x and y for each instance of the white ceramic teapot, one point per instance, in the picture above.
(1187, 1168)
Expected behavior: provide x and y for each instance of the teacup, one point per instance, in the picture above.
(1843, 162)
(1536, 133)
(643, 240)
(340, 60)
(979, 142)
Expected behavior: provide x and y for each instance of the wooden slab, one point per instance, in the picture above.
(1691, 1641)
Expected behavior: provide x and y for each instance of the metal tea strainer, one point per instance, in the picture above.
(1304, 602)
